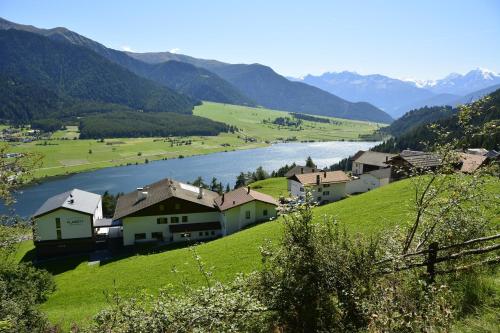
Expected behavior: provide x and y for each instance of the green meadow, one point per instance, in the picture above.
(81, 289)
(64, 153)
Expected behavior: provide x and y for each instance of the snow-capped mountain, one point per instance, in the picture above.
(459, 84)
(396, 96)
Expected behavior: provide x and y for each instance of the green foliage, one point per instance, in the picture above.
(310, 162)
(47, 124)
(141, 124)
(109, 203)
(287, 122)
(307, 117)
(72, 71)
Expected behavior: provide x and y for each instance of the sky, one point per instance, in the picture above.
(424, 39)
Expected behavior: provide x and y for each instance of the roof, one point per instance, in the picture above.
(477, 151)
(106, 223)
(325, 177)
(419, 159)
(160, 191)
(195, 227)
(470, 162)
(77, 200)
(493, 154)
(298, 169)
(372, 158)
(241, 196)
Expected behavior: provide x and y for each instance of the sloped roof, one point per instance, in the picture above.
(77, 200)
(241, 196)
(420, 159)
(470, 162)
(324, 177)
(381, 173)
(372, 158)
(298, 169)
(160, 191)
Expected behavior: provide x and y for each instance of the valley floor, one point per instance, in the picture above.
(65, 154)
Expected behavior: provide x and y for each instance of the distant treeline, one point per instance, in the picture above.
(148, 124)
(310, 118)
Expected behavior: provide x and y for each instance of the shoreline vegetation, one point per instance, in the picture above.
(64, 154)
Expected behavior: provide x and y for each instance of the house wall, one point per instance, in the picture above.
(295, 188)
(148, 225)
(73, 225)
(328, 192)
(98, 211)
(357, 168)
(364, 183)
(235, 218)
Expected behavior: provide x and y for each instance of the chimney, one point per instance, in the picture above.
(141, 194)
(324, 173)
(248, 189)
(301, 170)
(222, 197)
(314, 170)
(386, 158)
(200, 192)
(317, 179)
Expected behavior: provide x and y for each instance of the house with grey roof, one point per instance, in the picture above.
(65, 223)
(366, 161)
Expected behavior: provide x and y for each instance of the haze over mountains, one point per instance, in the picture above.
(396, 97)
(219, 82)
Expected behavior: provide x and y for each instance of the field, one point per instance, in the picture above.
(64, 154)
(80, 287)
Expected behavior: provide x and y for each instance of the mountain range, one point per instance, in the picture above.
(396, 96)
(253, 85)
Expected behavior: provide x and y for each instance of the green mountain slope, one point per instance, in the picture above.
(73, 71)
(196, 82)
(487, 114)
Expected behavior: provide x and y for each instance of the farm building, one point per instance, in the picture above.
(366, 161)
(65, 223)
(324, 186)
(369, 181)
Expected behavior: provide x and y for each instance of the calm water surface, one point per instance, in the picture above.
(225, 166)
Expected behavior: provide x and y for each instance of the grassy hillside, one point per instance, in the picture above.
(63, 156)
(80, 287)
(250, 120)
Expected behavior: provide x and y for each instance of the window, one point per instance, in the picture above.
(213, 233)
(319, 189)
(174, 219)
(264, 212)
(157, 235)
(206, 233)
(326, 185)
(184, 219)
(177, 206)
(301, 189)
(162, 220)
(59, 236)
(140, 236)
(247, 214)
(326, 193)
(200, 234)
(186, 235)
(58, 222)
(319, 199)
(162, 207)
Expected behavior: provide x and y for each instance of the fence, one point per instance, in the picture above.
(432, 258)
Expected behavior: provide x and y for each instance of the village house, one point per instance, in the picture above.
(324, 186)
(369, 181)
(65, 223)
(299, 169)
(366, 161)
(172, 211)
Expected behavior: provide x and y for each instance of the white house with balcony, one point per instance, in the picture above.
(324, 186)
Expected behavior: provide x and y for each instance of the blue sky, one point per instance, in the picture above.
(404, 39)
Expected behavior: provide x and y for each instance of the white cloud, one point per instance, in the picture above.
(127, 48)
(175, 50)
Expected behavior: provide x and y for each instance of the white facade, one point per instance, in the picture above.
(148, 225)
(322, 192)
(357, 168)
(241, 216)
(72, 225)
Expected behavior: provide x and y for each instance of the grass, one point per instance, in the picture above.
(63, 155)
(275, 187)
(80, 288)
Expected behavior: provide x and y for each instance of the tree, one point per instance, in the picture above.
(241, 180)
(310, 163)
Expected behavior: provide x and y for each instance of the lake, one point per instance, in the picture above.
(225, 166)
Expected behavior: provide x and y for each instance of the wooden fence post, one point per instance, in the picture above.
(431, 262)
